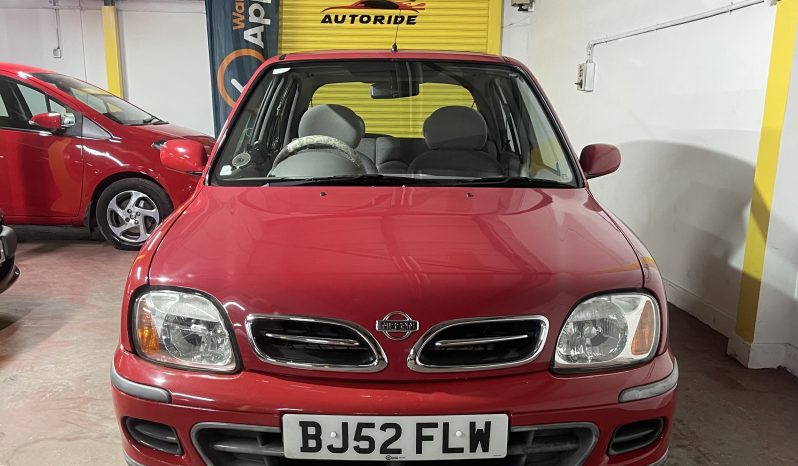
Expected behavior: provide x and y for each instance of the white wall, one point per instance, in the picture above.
(685, 107)
(165, 62)
(776, 336)
(28, 36)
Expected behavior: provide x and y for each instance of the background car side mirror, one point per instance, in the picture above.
(599, 160)
(52, 121)
(184, 155)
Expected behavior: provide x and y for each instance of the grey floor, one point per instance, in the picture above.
(59, 326)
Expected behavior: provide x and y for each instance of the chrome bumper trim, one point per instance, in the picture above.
(145, 392)
(662, 461)
(130, 461)
(651, 390)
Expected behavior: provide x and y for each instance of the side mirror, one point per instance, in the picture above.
(599, 160)
(184, 155)
(48, 121)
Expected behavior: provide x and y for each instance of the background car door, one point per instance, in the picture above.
(41, 173)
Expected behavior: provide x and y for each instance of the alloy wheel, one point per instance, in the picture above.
(132, 216)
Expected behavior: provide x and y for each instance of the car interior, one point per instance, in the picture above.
(290, 129)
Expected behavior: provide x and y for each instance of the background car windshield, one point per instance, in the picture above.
(111, 106)
(415, 122)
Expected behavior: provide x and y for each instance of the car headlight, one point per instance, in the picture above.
(608, 331)
(182, 329)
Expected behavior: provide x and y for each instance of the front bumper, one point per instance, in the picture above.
(8, 248)
(538, 404)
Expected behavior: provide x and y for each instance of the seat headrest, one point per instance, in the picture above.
(362, 124)
(331, 120)
(455, 128)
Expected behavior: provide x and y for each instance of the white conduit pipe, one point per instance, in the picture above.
(676, 22)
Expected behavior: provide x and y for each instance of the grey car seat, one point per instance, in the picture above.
(388, 154)
(383, 150)
(455, 137)
(331, 120)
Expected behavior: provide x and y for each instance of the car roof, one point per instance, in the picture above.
(388, 55)
(15, 68)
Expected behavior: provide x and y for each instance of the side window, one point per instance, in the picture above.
(10, 112)
(3, 109)
(56, 107)
(21, 102)
(36, 101)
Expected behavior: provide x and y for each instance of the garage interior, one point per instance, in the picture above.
(701, 97)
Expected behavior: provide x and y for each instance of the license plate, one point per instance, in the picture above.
(387, 438)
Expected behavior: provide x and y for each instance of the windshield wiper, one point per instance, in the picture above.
(388, 180)
(354, 180)
(511, 182)
(153, 120)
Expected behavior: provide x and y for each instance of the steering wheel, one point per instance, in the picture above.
(318, 142)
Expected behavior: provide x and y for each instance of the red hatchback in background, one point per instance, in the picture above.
(73, 154)
(437, 287)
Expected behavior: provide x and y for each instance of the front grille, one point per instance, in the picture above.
(555, 445)
(312, 343)
(154, 435)
(634, 436)
(237, 445)
(479, 344)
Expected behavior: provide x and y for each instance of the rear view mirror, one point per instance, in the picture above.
(394, 90)
(52, 121)
(184, 155)
(599, 160)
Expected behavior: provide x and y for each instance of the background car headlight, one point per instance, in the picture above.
(182, 329)
(609, 331)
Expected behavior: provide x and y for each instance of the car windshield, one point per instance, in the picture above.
(121, 111)
(393, 123)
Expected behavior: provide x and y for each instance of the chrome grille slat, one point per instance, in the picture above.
(477, 341)
(477, 344)
(314, 343)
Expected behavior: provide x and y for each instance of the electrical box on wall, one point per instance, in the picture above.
(586, 77)
(523, 5)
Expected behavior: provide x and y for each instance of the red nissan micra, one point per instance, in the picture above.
(73, 154)
(394, 258)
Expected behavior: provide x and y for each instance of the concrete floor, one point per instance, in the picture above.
(59, 326)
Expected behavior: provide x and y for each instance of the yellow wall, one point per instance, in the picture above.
(462, 25)
(457, 25)
(403, 118)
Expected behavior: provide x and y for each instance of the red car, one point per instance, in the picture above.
(73, 154)
(394, 258)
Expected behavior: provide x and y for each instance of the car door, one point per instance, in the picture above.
(41, 172)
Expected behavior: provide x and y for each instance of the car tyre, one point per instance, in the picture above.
(128, 211)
